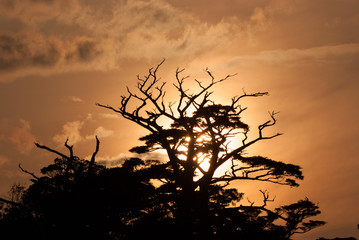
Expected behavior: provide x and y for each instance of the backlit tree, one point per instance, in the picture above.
(196, 142)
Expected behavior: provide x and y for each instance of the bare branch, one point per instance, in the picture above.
(227, 178)
(269, 123)
(250, 202)
(92, 162)
(257, 94)
(51, 150)
(70, 149)
(266, 199)
(147, 123)
(30, 173)
(191, 99)
(245, 133)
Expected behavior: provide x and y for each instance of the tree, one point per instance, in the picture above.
(200, 131)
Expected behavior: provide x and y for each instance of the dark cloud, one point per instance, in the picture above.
(34, 50)
(42, 1)
(17, 51)
(83, 51)
(8, 4)
(10, 25)
(87, 50)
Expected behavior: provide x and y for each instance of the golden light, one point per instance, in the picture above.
(203, 159)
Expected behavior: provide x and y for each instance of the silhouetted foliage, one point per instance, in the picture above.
(71, 202)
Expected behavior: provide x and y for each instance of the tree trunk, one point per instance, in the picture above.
(203, 214)
(186, 212)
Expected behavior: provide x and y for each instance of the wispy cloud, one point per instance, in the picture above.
(110, 115)
(74, 99)
(22, 137)
(27, 52)
(100, 132)
(295, 56)
(73, 132)
(118, 160)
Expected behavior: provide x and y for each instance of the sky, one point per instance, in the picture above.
(58, 58)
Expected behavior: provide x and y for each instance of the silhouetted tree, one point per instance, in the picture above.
(79, 199)
(200, 131)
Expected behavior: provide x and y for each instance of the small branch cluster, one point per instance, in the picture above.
(265, 199)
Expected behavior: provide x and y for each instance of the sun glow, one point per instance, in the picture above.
(202, 159)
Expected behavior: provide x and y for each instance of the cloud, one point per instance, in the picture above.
(30, 49)
(118, 160)
(22, 137)
(83, 50)
(34, 12)
(100, 132)
(71, 131)
(22, 50)
(110, 115)
(296, 56)
(74, 99)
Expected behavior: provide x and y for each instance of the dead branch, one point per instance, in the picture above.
(146, 96)
(70, 149)
(262, 179)
(269, 123)
(266, 199)
(244, 95)
(92, 161)
(30, 173)
(51, 150)
(190, 99)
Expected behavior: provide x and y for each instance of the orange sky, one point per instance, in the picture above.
(59, 57)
